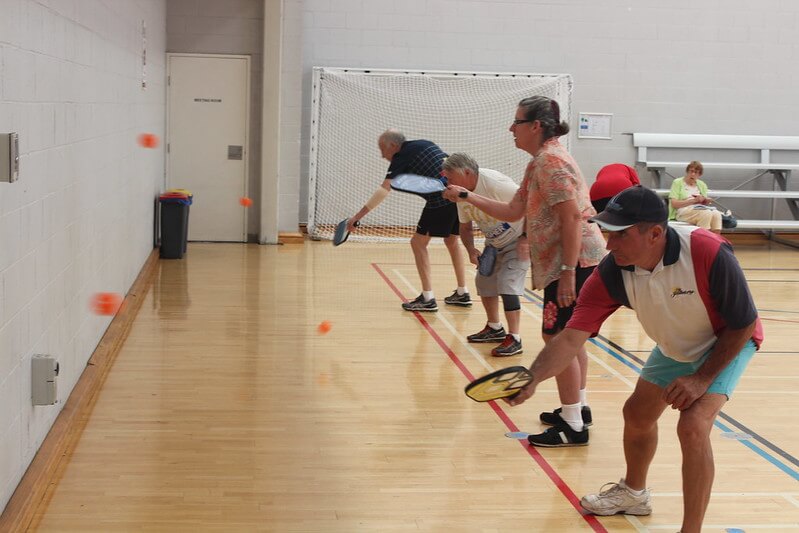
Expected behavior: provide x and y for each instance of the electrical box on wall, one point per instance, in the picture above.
(44, 370)
(9, 157)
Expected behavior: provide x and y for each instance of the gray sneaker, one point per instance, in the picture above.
(488, 334)
(419, 304)
(616, 499)
(509, 347)
(464, 299)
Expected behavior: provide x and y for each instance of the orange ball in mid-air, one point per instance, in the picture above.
(246, 202)
(106, 303)
(148, 140)
(324, 327)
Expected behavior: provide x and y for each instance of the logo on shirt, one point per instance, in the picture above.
(499, 230)
(677, 291)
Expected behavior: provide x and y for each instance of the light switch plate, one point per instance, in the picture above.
(9, 157)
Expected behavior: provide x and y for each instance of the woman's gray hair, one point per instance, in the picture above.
(547, 112)
(460, 161)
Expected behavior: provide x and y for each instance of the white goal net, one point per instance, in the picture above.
(459, 111)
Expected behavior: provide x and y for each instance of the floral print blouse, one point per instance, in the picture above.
(553, 177)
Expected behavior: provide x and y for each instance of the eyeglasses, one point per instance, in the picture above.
(518, 121)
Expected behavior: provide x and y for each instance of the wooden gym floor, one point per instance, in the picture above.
(226, 409)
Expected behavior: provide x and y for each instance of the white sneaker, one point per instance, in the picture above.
(617, 499)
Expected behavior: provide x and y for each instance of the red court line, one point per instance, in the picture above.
(531, 450)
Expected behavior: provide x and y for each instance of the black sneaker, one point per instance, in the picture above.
(487, 334)
(560, 436)
(509, 347)
(419, 304)
(554, 418)
(458, 299)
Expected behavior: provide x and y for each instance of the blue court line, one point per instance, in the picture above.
(615, 355)
(532, 297)
(774, 448)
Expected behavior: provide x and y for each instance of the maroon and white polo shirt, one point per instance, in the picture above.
(696, 291)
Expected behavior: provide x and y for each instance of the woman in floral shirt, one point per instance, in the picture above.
(564, 248)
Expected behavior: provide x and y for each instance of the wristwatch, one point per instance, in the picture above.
(463, 194)
(567, 267)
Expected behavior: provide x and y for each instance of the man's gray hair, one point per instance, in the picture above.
(393, 136)
(460, 161)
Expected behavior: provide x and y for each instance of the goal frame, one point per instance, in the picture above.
(316, 95)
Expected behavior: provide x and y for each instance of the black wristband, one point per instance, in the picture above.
(463, 194)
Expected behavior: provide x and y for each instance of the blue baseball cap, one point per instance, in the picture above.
(631, 206)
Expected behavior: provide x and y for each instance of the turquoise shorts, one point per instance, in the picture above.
(662, 370)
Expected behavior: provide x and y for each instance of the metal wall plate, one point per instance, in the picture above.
(235, 152)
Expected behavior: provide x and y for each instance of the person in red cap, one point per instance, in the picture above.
(610, 181)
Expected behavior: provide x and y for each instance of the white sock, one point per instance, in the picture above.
(495, 325)
(583, 397)
(462, 291)
(516, 336)
(572, 415)
(623, 483)
(427, 295)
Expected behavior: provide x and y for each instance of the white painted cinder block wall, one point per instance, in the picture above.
(699, 66)
(80, 218)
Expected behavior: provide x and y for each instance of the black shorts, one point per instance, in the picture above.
(439, 221)
(554, 317)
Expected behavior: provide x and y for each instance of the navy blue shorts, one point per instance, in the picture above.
(439, 221)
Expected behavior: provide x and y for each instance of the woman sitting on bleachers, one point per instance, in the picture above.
(688, 201)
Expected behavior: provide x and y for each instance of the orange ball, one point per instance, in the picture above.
(106, 303)
(246, 202)
(148, 140)
(324, 327)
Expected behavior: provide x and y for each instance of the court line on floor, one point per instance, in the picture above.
(738, 528)
(631, 519)
(789, 497)
(739, 425)
(477, 356)
(561, 485)
(635, 522)
(617, 351)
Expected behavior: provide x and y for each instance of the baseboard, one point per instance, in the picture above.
(290, 238)
(756, 237)
(41, 477)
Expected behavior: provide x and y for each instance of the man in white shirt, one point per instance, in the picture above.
(507, 277)
(691, 297)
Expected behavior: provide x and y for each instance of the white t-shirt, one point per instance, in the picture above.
(496, 186)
